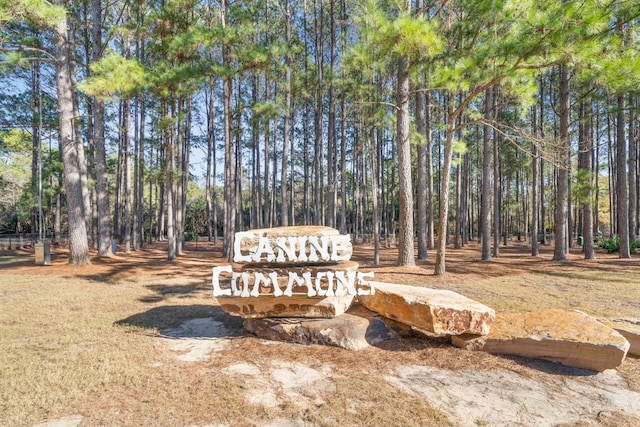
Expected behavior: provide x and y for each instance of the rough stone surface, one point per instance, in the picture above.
(440, 312)
(630, 329)
(349, 331)
(196, 340)
(571, 338)
(293, 306)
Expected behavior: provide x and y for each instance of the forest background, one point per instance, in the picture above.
(391, 121)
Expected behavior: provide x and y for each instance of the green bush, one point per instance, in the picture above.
(612, 245)
(190, 236)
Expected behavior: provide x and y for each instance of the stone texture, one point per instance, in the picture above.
(628, 328)
(293, 306)
(571, 338)
(349, 331)
(440, 312)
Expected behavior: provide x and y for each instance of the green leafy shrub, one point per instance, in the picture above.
(190, 236)
(612, 245)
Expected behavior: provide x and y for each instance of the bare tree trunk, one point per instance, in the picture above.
(375, 196)
(127, 174)
(535, 161)
(78, 243)
(210, 144)
(36, 151)
(288, 115)
(230, 204)
(622, 217)
(485, 209)
(422, 176)
(564, 159)
(169, 184)
(497, 189)
(585, 160)
(445, 179)
(318, 114)
(633, 172)
(405, 236)
(141, 169)
(543, 221)
(429, 159)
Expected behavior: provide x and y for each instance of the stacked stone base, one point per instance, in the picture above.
(322, 313)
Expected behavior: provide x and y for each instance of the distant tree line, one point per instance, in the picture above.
(435, 121)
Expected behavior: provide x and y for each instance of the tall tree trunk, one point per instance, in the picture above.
(445, 179)
(36, 151)
(585, 169)
(78, 243)
(633, 171)
(485, 209)
(288, 115)
(169, 183)
(564, 159)
(318, 114)
(535, 161)
(141, 170)
(210, 145)
(497, 187)
(179, 175)
(405, 237)
(622, 217)
(331, 125)
(126, 146)
(230, 204)
(429, 159)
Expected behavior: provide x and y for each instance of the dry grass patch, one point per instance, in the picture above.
(82, 341)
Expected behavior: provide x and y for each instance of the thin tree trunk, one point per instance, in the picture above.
(288, 113)
(444, 198)
(169, 185)
(633, 192)
(318, 114)
(210, 144)
(585, 160)
(230, 204)
(535, 161)
(485, 209)
(622, 209)
(127, 174)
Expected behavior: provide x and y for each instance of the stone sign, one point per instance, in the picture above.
(290, 272)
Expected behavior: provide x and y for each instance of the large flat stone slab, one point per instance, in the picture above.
(628, 328)
(293, 306)
(571, 338)
(440, 312)
(348, 331)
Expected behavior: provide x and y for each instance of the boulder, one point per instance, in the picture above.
(349, 331)
(440, 312)
(628, 328)
(571, 338)
(293, 306)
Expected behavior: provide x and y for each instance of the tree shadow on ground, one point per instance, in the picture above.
(553, 368)
(165, 317)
